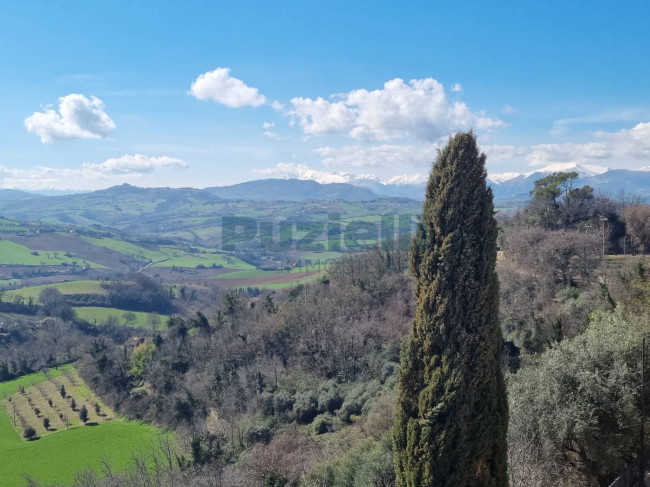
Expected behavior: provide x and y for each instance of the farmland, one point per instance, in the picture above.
(94, 314)
(66, 446)
(16, 254)
(72, 287)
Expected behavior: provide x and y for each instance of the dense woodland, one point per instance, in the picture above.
(298, 387)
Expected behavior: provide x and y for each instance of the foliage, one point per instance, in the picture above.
(451, 416)
(578, 403)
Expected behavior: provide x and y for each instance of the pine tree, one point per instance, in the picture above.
(452, 413)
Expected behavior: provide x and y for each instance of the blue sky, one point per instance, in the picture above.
(100, 93)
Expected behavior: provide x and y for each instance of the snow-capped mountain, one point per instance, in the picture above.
(583, 170)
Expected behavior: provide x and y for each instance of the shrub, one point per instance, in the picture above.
(73, 404)
(29, 432)
(37, 411)
(258, 433)
(62, 391)
(329, 399)
(97, 408)
(305, 408)
(83, 414)
(283, 403)
(49, 401)
(323, 424)
(46, 423)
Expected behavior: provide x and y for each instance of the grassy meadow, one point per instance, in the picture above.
(16, 254)
(67, 446)
(94, 314)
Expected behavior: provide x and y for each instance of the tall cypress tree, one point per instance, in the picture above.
(452, 411)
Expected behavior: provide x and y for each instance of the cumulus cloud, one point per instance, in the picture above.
(268, 125)
(497, 152)
(384, 155)
(614, 148)
(277, 106)
(457, 88)
(219, 86)
(131, 168)
(77, 118)
(136, 163)
(418, 109)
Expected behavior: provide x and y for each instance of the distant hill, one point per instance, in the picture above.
(195, 215)
(292, 190)
(15, 195)
(517, 186)
(116, 206)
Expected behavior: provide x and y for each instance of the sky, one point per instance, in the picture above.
(203, 94)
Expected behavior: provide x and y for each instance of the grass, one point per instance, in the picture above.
(12, 253)
(72, 287)
(9, 387)
(58, 455)
(181, 259)
(284, 285)
(126, 248)
(94, 314)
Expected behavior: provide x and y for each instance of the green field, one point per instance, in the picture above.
(192, 260)
(12, 253)
(57, 456)
(126, 248)
(284, 285)
(72, 287)
(97, 315)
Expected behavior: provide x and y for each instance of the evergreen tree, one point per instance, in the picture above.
(83, 414)
(452, 412)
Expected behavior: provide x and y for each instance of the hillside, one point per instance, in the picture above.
(292, 190)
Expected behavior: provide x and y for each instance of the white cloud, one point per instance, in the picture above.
(319, 116)
(90, 176)
(419, 109)
(77, 118)
(277, 106)
(509, 109)
(379, 155)
(613, 148)
(268, 125)
(457, 88)
(503, 152)
(136, 163)
(219, 86)
(270, 134)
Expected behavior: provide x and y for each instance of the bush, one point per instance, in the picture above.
(323, 424)
(258, 433)
(329, 399)
(29, 432)
(283, 403)
(579, 402)
(73, 404)
(83, 414)
(305, 408)
(62, 391)
(46, 423)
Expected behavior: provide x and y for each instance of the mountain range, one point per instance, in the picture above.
(512, 187)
